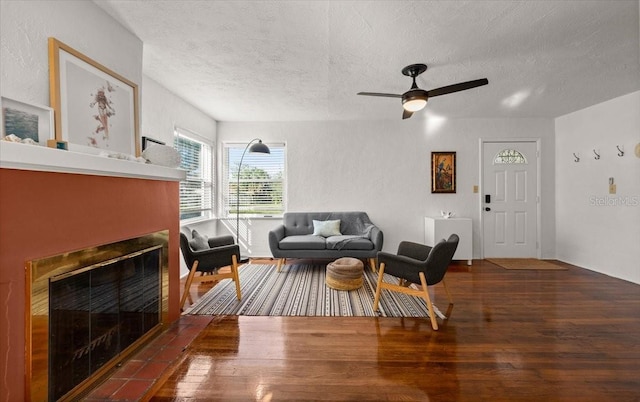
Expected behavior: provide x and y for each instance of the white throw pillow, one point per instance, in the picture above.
(326, 228)
(199, 242)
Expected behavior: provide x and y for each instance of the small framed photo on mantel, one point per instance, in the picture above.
(24, 122)
(443, 172)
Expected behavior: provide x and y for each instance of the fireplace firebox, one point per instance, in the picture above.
(90, 309)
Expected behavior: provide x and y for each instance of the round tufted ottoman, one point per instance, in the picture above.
(345, 274)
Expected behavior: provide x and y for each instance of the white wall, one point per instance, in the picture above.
(595, 229)
(25, 27)
(162, 111)
(383, 168)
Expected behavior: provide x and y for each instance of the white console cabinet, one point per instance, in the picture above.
(436, 229)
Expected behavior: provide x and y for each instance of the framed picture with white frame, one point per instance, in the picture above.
(26, 121)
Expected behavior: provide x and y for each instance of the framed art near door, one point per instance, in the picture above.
(95, 108)
(443, 172)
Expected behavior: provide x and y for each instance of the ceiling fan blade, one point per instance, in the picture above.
(406, 114)
(461, 86)
(380, 94)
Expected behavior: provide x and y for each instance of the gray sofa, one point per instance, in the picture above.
(358, 237)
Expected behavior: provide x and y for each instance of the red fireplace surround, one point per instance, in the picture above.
(44, 213)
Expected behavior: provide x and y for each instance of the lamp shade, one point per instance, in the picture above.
(259, 147)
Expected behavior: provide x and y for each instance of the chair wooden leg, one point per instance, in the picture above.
(378, 287)
(236, 276)
(280, 262)
(427, 298)
(446, 289)
(372, 264)
(187, 285)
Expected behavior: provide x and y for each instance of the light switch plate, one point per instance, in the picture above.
(475, 189)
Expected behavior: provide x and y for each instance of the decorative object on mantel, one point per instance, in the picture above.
(95, 108)
(64, 145)
(577, 157)
(29, 124)
(443, 172)
(15, 138)
(162, 155)
(447, 215)
(121, 156)
(597, 155)
(620, 151)
(637, 150)
(146, 141)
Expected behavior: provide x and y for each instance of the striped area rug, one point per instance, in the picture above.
(300, 290)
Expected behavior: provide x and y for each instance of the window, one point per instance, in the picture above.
(196, 192)
(509, 156)
(262, 181)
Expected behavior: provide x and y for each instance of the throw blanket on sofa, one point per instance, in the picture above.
(353, 224)
(340, 242)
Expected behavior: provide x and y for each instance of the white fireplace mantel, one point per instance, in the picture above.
(40, 158)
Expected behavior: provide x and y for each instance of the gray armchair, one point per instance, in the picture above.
(207, 255)
(419, 264)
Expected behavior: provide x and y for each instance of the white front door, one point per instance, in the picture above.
(509, 199)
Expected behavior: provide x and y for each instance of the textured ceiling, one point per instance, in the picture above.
(306, 60)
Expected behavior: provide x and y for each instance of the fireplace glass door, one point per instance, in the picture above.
(98, 311)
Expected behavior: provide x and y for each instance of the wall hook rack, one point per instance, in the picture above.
(597, 154)
(620, 152)
(577, 157)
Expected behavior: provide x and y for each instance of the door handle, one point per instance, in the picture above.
(487, 209)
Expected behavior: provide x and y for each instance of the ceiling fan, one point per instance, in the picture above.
(415, 98)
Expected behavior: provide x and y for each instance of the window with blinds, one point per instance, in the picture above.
(196, 192)
(261, 190)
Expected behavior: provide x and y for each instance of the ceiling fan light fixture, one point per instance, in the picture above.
(413, 105)
(415, 99)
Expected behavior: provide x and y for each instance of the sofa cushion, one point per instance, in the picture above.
(351, 223)
(302, 242)
(346, 242)
(326, 228)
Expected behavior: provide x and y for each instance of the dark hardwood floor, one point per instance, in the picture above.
(569, 335)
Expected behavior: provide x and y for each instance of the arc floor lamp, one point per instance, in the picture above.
(257, 147)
